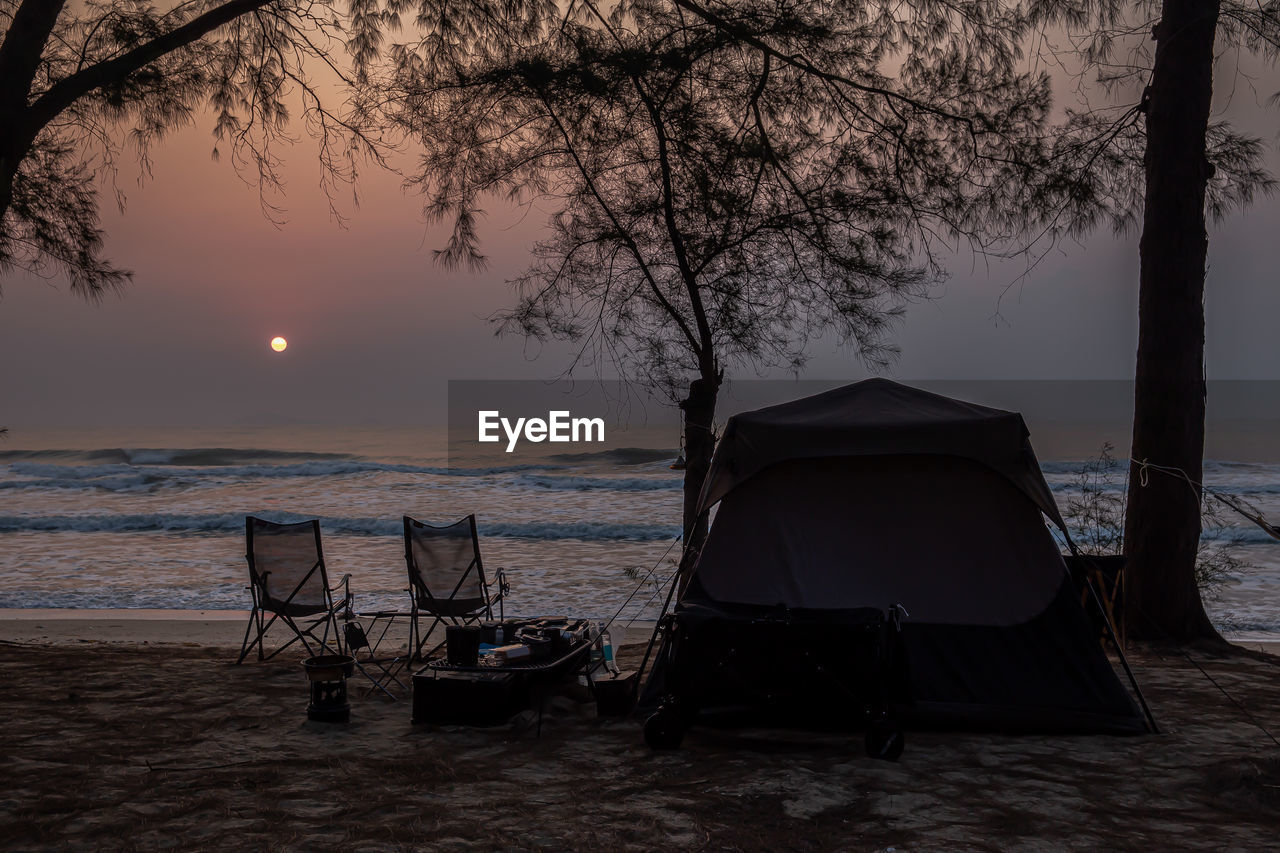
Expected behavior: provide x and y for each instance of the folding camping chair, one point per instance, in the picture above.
(288, 581)
(446, 579)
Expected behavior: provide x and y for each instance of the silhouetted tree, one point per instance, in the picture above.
(1169, 166)
(722, 190)
(77, 79)
(1162, 519)
(1156, 159)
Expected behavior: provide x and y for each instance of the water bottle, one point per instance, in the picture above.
(597, 650)
(609, 662)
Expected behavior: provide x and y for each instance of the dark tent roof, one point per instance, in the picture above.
(877, 417)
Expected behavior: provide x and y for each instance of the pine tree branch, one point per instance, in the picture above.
(802, 63)
(67, 91)
(24, 42)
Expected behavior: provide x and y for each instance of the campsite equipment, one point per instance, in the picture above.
(1102, 574)
(874, 494)
(288, 579)
(806, 667)
(367, 631)
(462, 644)
(606, 649)
(511, 653)
(447, 582)
(444, 697)
(504, 682)
(615, 694)
(328, 675)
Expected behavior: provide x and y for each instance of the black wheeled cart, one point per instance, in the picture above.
(824, 669)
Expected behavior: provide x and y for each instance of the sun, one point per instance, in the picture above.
(278, 343)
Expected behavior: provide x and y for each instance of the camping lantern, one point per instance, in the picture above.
(328, 675)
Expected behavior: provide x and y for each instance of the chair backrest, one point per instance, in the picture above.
(445, 571)
(286, 566)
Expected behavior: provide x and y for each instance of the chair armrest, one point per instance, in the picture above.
(500, 576)
(345, 583)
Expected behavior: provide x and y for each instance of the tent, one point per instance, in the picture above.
(878, 494)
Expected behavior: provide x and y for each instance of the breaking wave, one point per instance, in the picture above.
(202, 456)
(234, 523)
(129, 477)
(620, 456)
(1231, 535)
(582, 484)
(1226, 489)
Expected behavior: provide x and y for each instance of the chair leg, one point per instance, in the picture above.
(300, 634)
(245, 645)
(378, 683)
(263, 627)
(436, 623)
(323, 643)
(413, 633)
(418, 639)
(255, 635)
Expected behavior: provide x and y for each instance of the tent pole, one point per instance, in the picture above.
(657, 626)
(1111, 635)
(666, 606)
(1124, 660)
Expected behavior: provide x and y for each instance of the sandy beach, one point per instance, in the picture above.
(222, 629)
(139, 733)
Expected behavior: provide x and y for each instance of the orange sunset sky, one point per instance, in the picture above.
(375, 329)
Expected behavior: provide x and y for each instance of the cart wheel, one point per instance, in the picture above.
(885, 740)
(665, 729)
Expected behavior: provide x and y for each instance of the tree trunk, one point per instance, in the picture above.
(1162, 520)
(22, 51)
(20, 56)
(699, 444)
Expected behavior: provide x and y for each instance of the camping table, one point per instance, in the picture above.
(380, 623)
(516, 677)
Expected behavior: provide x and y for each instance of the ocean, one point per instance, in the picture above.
(154, 518)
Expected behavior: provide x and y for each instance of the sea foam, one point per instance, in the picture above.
(234, 523)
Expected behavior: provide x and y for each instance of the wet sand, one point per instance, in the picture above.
(119, 745)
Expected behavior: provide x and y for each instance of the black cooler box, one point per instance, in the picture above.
(466, 698)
